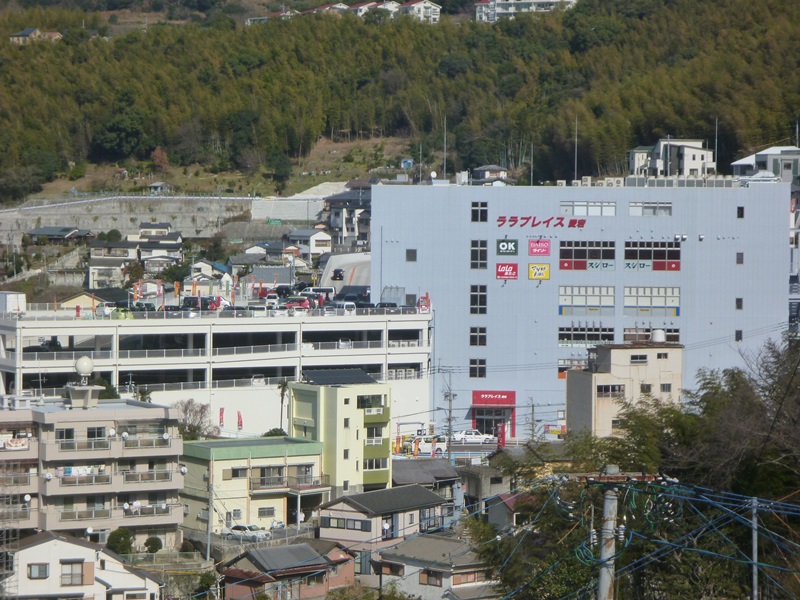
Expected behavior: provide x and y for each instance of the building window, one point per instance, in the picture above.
(239, 473)
(739, 303)
(477, 299)
(646, 388)
(740, 212)
(611, 391)
(428, 577)
(643, 334)
(615, 423)
(478, 254)
(477, 367)
(72, 573)
(638, 359)
(347, 400)
(392, 569)
(738, 336)
(236, 514)
(585, 336)
(477, 336)
(374, 432)
(38, 571)
(652, 256)
(666, 388)
(411, 255)
(642, 301)
(345, 485)
(580, 208)
(375, 464)
(480, 212)
(266, 511)
(586, 256)
(346, 453)
(96, 433)
(585, 300)
(347, 423)
(662, 356)
(740, 258)
(650, 209)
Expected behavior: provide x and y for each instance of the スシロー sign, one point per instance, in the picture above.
(507, 247)
(507, 271)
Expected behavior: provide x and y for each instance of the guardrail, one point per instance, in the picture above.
(234, 350)
(144, 476)
(162, 558)
(74, 480)
(289, 481)
(76, 445)
(84, 515)
(155, 442)
(169, 353)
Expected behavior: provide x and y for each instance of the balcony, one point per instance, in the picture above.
(290, 482)
(88, 514)
(135, 510)
(244, 350)
(374, 441)
(19, 448)
(75, 480)
(64, 450)
(155, 446)
(149, 476)
(80, 445)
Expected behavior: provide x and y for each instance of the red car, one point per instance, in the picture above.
(297, 302)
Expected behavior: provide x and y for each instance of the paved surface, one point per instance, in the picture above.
(356, 270)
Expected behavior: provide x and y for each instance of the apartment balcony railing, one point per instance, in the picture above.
(236, 350)
(374, 442)
(15, 513)
(15, 478)
(134, 511)
(84, 515)
(144, 476)
(343, 344)
(289, 481)
(77, 445)
(154, 442)
(378, 410)
(169, 353)
(74, 480)
(65, 355)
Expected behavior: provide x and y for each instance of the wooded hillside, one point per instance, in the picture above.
(225, 95)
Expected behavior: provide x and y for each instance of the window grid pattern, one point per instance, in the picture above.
(653, 256)
(480, 212)
(611, 391)
(581, 208)
(585, 336)
(652, 302)
(642, 334)
(586, 255)
(477, 368)
(650, 209)
(583, 300)
(477, 300)
(477, 336)
(375, 464)
(478, 254)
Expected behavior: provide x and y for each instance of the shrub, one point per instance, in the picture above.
(120, 541)
(153, 545)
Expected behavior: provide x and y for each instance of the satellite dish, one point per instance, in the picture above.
(124, 435)
(183, 470)
(89, 531)
(27, 497)
(48, 476)
(84, 366)
(126, 506)
(112, 432)
(165, 436)
(433, 174)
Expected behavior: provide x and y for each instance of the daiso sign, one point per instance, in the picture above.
(507, 271)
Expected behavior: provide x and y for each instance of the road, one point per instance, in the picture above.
(356, 270)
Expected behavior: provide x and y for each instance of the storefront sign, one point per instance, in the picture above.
(533, 221)
(538, 271)
(538, 247)
(507, 247)
(507, 271)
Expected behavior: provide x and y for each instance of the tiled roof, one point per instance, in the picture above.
(281, 558)
(423, 471)
(391, 500)
(441, 551)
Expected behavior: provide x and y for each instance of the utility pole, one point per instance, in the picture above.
(533, 419)
(450, 419)
(605, 584)
(754, 525)
(210, 506)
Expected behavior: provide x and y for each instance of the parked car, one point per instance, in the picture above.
(426, 445)
(473, 436)
(247, 533)
(284, 290)
(338, 274)
(144, 306)
(103, 309)
(171, 311)
(297, 302)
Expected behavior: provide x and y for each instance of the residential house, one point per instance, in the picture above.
(481, 482)
(362, 8)
(349, 412)
(435, 474)
(26, 36)
(667, 157)
(312, 242)
(108, 262)
(60, 235)
(155, 257)
(511, 510)
(309, 569)
(781, 161)
(619, 373)
(490, 11)
(371, 521)
(336, 8)
(159, 188)
(389, 5)
(434, 566)
(491, 175)
(52, 565)
(242, 264)
(349, 215)
(255, 481)
(422, 10)
(80, 464)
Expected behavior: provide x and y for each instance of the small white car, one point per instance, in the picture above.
(473, 436)
(247, 533)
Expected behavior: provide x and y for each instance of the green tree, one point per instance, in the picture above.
(274, 432)
(206, 584)
(120, 541)
(153, 544)
(109, 392)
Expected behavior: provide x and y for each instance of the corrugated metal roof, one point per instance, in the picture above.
(286, 557)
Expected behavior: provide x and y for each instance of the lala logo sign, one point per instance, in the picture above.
(507, 271)
(538, 247)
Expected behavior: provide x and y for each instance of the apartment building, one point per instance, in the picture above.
(673, 157)
(491, 11)
(252, 481)
(620, 373)
(350, 413)
(522, 280)
(231, 362)
(84, 467)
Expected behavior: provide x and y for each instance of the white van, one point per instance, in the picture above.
(348, 308)
(327, 292)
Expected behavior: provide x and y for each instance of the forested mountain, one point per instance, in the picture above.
(222, 94)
